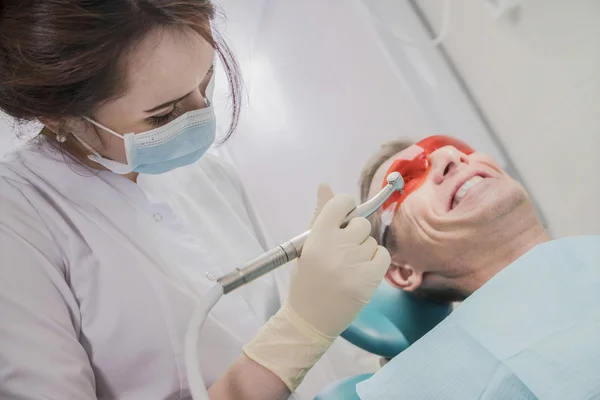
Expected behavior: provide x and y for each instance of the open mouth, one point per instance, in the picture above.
(463, 189)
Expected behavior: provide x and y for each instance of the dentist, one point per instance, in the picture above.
(112, 219)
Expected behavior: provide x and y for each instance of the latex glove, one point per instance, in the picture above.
(332, 281)
(324, 194)
(339, 269)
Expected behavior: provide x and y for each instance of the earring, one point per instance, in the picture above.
(61, 137)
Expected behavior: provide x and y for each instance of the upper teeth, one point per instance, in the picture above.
(462, 191)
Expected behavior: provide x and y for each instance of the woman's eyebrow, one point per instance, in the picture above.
(171, 102)
(167, 104)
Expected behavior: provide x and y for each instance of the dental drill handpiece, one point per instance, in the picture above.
(292, 249)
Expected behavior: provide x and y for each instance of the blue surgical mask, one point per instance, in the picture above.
(180, 142)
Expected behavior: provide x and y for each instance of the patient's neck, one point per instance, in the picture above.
(503, 255)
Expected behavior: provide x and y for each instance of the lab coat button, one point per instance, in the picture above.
(157, 217)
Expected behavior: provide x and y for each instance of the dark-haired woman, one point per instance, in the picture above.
(111, 220)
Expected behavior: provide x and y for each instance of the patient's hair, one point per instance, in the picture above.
(386, 151)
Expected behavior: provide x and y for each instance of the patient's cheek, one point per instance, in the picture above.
(484, 158)
(404, 226)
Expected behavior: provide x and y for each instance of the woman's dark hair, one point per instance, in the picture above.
(64, 58)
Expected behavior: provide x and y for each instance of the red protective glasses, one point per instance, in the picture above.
(414, 166)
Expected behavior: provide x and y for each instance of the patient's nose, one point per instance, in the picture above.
(444, 161)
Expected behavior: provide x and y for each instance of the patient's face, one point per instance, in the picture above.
(459, 212)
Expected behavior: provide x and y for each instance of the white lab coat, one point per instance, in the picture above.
(89, 306)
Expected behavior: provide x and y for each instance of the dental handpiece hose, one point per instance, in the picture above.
(292, 249)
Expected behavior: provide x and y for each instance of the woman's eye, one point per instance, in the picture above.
(158, 120)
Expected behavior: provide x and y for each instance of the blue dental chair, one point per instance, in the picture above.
(392, 321)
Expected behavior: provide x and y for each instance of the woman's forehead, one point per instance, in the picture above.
(164, 66)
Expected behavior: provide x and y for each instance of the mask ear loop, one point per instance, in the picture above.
(99, 125)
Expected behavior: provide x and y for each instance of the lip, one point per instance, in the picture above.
(462, 181)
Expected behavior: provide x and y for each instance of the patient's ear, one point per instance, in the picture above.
(403, 276)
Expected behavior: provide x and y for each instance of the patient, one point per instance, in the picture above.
(529, 324)
(461, 220)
